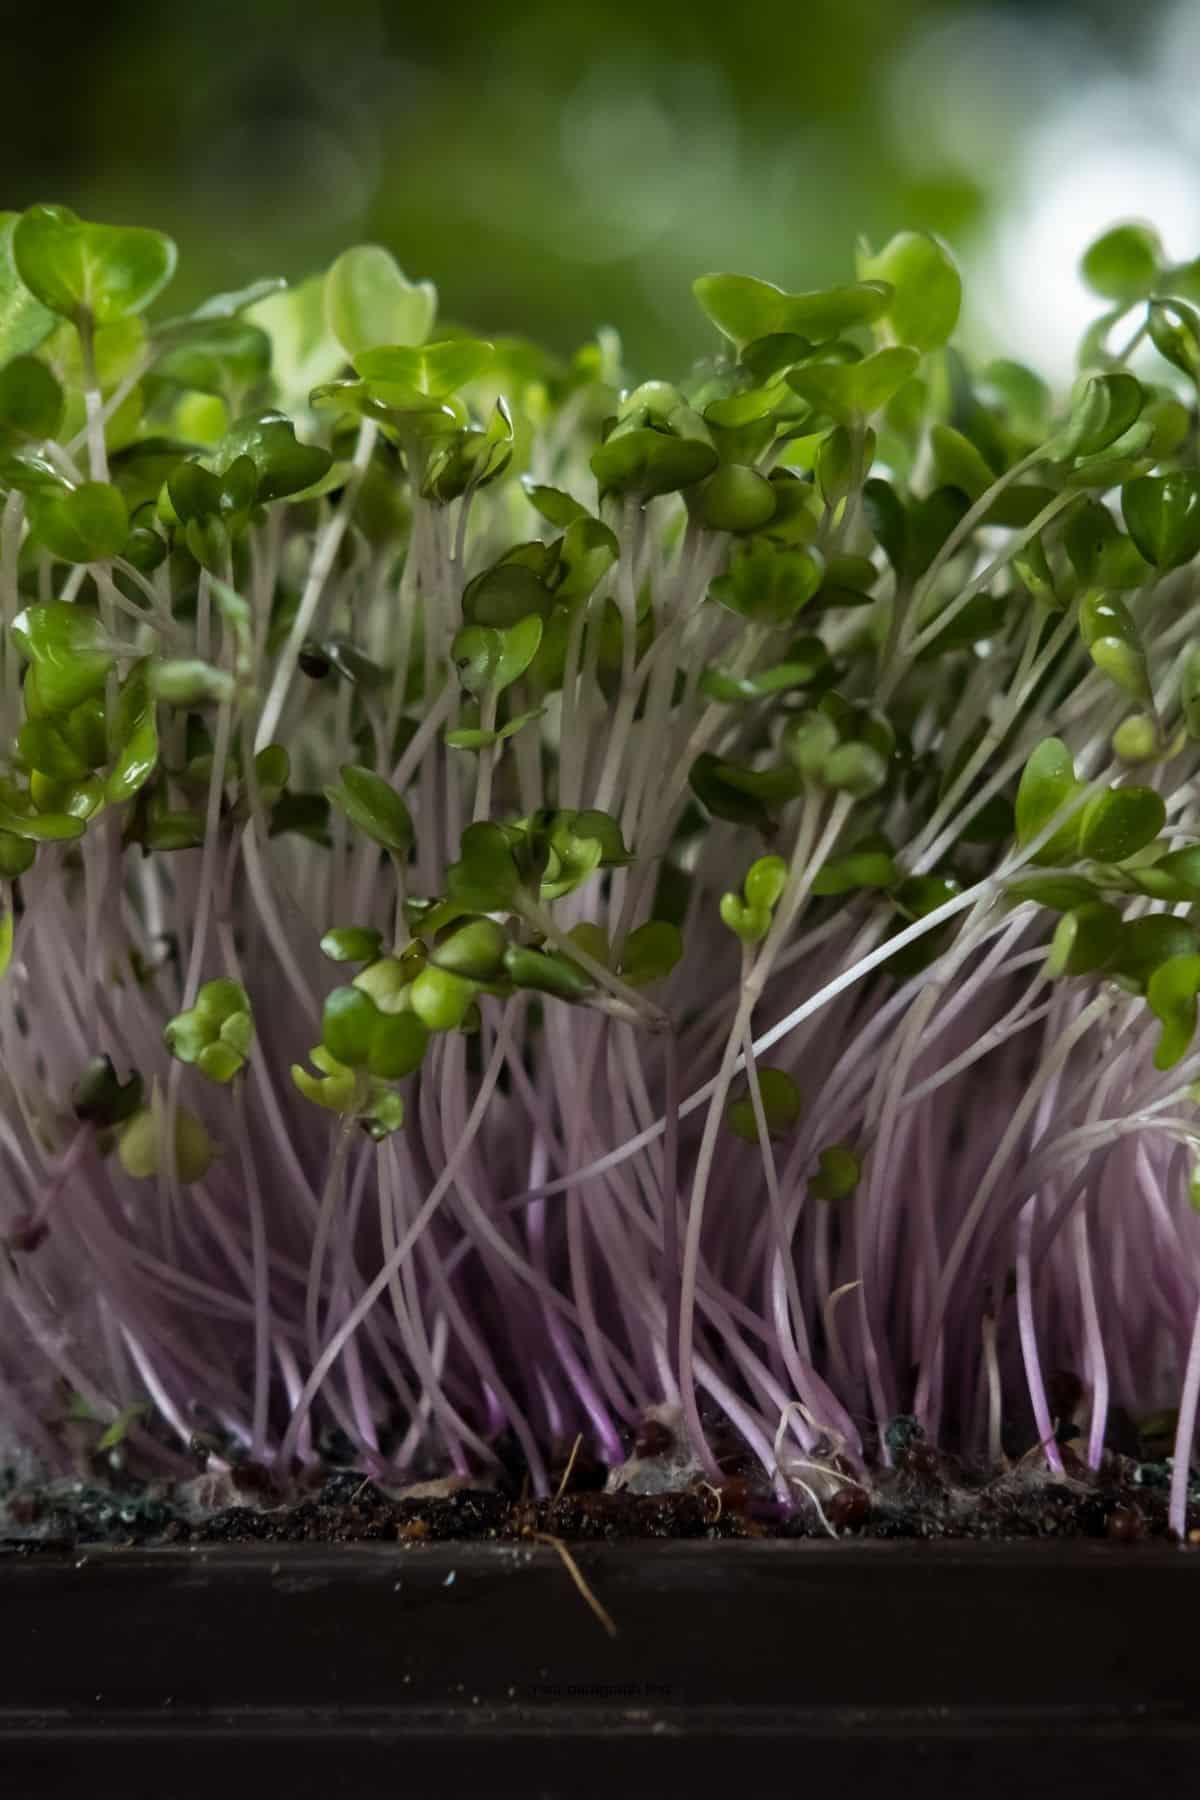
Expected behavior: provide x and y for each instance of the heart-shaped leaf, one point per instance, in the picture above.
(216, 1033)
(645, 462)
(285, 465)
(220, 357)
(769, 587)
(86, 524)
(485, 878)
(745, 309)
(496, 658)
(650, 952)
(369, 301)
(926, 288)
(76, 268)
(502, 596)
(397, 374)
(849, 391)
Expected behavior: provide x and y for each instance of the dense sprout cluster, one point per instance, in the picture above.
(526, 899)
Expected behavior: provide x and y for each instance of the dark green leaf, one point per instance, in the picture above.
(1085, 940)
(84, 524)
(504, 595)
(869, 866)
(553, 504)
(1171, 996)
(1150, 940)
(217, 357)
(1100, 553)
(644, 462)
(485, 878)
(546, 972)
(1174, 877)
(1163, 516)
(1047, 783)
(782, 1106)
(769, 587)
(134, 735)
(651, 952)
(1118, 824)
(958, 464)
(68, 649)
(1175, 333)
(31, 401)
(1104, 408)
(372, 804)
(742, 796)
(41, 827)
(285, 466)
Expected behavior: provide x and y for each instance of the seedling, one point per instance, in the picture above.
(528, 897)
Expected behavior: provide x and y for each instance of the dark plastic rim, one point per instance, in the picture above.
(454, 1669)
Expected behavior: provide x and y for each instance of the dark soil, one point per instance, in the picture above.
(926, 1496)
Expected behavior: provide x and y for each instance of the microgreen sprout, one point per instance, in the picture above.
(528, 897)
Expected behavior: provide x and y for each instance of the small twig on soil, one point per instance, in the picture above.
(566, 1474)
(717, 1496)
(577, 1576)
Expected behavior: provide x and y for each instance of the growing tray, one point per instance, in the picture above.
(456, 1670)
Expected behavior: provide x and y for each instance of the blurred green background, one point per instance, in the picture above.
(552, 167)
